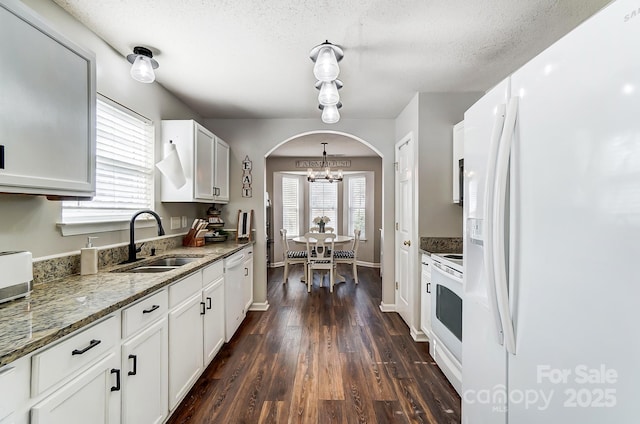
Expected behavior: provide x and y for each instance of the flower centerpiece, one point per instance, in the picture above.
(320, 221)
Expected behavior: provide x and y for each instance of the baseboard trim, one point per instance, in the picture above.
(387, 307)
(259, 306)
(418, 335)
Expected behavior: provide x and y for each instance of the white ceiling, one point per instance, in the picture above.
(310, 145)
(249, 58)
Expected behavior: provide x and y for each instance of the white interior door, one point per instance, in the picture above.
(404, 229)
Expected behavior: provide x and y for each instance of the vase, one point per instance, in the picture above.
(321, 227)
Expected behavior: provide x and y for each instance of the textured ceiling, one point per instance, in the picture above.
(249, 58)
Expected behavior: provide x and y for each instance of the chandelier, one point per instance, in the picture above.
(325, 173)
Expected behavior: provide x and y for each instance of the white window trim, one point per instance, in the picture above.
(79, 227)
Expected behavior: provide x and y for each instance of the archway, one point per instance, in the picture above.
(291, 156)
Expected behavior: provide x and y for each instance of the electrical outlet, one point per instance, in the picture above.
(175, 222)
(184, 222)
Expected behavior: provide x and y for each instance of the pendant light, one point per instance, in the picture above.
(326, 57)
(143, 65)
(329, 92)
(330, 114)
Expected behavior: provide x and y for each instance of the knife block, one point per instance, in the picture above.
(190, 240)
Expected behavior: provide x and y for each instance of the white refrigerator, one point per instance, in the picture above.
(551, 317)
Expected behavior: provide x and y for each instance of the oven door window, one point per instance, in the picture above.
(449, 310)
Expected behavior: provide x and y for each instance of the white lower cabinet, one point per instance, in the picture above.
(185, 347)
(135, 365)
(213, 296)
(247, 288)
(92, 397)
(144, 376)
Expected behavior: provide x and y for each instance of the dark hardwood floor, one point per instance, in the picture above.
(322, 357)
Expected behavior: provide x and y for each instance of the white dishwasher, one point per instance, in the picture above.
(233, 294)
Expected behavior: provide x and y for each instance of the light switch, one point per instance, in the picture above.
(175, 222)
(184, 222)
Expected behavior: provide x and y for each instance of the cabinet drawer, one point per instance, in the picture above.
(183, 289)
(14, 381)
(212, 272)
(143, 313)
(76, 352)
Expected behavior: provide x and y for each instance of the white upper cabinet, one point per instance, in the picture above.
(458, 155)
(221, 183)
(204, 159)
(47, 108)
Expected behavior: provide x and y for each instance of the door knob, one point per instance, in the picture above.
(407, 243)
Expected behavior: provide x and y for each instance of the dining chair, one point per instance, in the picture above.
(292, 257)
(320, 257)
(315, 229)
(349, 256)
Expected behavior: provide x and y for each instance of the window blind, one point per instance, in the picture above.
(290, 205)
(357, 204)
(124, 167)
(323, 201)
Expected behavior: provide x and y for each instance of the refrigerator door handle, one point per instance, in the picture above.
(498, 124)
(499, 202)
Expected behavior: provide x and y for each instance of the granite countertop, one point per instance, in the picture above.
(58, 308)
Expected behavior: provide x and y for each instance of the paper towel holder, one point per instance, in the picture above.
(171, 167)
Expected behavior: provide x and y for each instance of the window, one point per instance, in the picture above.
(290, 205)
(323, 201)
(124, 167)
(357, 201)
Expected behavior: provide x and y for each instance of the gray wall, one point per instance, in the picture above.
(29, 222)
(369, 250)
(438, 113)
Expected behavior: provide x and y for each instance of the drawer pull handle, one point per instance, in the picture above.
(202, 311)
(93, 343)
(428, 287)
(246, 272)
(151, 309)
(135, 365)
(117, 386)
(208, 303)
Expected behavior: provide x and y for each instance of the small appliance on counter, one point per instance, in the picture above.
(16, 275)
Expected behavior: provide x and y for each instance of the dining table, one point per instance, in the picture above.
(339, 239)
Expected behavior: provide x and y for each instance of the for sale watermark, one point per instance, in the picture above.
(579, 387)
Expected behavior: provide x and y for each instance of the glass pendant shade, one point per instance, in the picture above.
(328, 94)
(326, 68)
(142, 70)
(330, 114)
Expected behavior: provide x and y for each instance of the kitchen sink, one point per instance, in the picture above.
(150, 266)
(150, 269)
(177, 261)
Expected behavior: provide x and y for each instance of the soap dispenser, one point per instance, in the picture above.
(89, 258)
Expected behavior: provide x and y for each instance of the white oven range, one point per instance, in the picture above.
(446, 315)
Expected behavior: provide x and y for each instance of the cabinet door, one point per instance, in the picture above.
(213, 296)
(93, 397)
(221, 194)
(203, 178)
(247, 287)
(185, 347)
(458, 153)
(47, 116)
(144, 376)
(425, 298)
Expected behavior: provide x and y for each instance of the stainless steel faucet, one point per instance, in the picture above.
(132, 241)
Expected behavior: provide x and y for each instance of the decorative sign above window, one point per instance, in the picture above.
(318, 164)
(246, 177)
